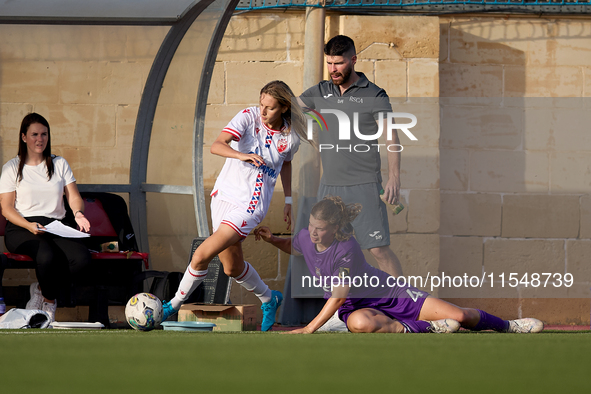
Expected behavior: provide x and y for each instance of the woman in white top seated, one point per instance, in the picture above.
(32, 188)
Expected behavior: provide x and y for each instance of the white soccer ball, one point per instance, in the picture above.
(143, 311)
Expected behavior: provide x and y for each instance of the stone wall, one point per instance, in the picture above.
(515, 184)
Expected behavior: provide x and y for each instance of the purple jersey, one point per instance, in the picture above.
(343, 263)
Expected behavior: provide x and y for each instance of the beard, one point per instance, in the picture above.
(345, 75)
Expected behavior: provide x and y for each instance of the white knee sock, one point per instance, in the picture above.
(191, 279)
(251, 281)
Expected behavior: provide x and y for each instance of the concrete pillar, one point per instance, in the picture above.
(314, 46)
(306, 174)
(305, 181)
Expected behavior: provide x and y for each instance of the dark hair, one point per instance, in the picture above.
(340, 46)
(28, 120)
(334, 211)
(294, 116)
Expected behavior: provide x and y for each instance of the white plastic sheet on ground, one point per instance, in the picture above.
(25, 318)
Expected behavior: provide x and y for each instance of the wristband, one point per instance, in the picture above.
(288, 200)
(77, 212)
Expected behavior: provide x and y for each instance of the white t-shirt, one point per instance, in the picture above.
(243, 184)
(35, 194)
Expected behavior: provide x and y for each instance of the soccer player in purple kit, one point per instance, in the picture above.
(331, 251)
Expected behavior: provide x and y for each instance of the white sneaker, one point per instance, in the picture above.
(36, 300)
(334, 324)
(525, 326)
(50, 309)
(444, 326)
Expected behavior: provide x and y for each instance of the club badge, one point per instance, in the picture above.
(282, 144)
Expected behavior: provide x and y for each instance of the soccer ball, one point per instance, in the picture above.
(143, 311)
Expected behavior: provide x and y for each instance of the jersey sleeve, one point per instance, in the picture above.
(296, 242)
(381, 104)
(8, 177)
(295, 146)
(239, 124)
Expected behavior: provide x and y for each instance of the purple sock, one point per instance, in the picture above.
(490, 322)
(416, 326)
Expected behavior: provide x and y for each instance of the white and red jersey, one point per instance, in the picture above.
(243, 184)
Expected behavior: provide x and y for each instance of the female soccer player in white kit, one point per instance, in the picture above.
(258, 144)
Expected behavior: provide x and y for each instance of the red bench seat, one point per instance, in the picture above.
(94, 256)
(99, 226)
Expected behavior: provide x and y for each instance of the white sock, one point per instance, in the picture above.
(191, 279)
(251, 281)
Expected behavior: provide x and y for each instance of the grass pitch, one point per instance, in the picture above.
(126, 361)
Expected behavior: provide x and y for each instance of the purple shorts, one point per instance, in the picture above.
(405, 307)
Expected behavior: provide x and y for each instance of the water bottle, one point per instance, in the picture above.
(2, 306)
(396, 208)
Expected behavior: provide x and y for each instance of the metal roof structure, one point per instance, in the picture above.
(126, 11)
(427, 6)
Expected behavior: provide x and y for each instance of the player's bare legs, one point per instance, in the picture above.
(387, 260)
(224, 237)
(232, 259)
(246, 276)
(372, 320)
(436, 309)
(196, 272)
(225, 243)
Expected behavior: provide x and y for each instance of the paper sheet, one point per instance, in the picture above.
(58, 228)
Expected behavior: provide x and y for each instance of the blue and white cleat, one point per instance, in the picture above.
(167, 310)
(270, 310)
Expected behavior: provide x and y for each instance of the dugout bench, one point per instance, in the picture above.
(115, 271)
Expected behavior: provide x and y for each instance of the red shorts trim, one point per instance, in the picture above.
(233, 226)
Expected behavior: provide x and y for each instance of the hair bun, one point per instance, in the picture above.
(333, 210)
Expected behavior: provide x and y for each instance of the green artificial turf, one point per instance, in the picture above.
(126, 361)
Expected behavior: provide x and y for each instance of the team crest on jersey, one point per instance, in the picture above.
(318, 272)
(282, 144)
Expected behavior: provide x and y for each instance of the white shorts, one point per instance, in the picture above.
(224, 212)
